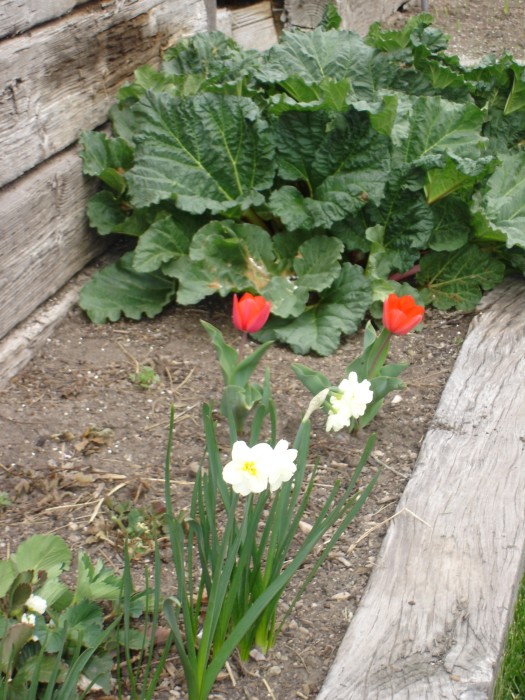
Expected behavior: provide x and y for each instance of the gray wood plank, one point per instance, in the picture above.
(62, 78)
(433, 619)
(47, 238)
(253, 26)
(357, 15)
(18, 16)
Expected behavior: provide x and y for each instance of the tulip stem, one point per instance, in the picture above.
(384, 340)
(242, 346)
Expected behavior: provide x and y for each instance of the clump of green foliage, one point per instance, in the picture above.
(50, 651)
(323, 173)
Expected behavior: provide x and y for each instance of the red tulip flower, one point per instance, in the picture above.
(250, 312)
(401, 314)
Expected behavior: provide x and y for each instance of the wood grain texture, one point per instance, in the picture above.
(433, 619)
(18, 16)
(253, 26)
(357, 15)
(18, 347)
(61, 78)
(46, 237)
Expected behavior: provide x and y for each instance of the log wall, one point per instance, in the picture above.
(61, 63)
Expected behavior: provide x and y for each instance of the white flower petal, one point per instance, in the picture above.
(36, 603)
(350, 401)
(282, 465)
(247, 472)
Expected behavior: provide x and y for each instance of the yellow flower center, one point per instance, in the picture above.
(250, 468)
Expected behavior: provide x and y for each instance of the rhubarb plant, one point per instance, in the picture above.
(324, 173)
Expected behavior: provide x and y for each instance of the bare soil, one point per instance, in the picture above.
(80, 439)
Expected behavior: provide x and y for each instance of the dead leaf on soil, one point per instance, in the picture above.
(92, 439)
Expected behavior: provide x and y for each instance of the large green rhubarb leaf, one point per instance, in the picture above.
(216, 58)
(340, 309)
(314, 268)
(224, 256)
(314, 56)
(340, 165)
(207, 152)
(408, 224)
(456, 280)
(163, 241)
(433, 130)
(119, 289)
(503, 205)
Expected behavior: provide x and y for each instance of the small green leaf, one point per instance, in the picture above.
(314, 381)
(8, 572)
(456, 280)
(17, 635)
(288, 298)
(95, 581)
(195, 280)
(239, 255)
(47, 553)
(100, 153)
(44, 667)
(227, 356)
(318, 262)
(20, 590)
(84, 622)
(119, 289)
(105, 212)
(439, 127)
(516, 99)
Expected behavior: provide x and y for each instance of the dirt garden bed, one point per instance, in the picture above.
(81, 437)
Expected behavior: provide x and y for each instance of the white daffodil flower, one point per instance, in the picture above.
(248, 470)
(36, 604)
(349, 401)
(282, 466)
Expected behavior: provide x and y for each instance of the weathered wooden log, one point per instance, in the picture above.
(253, 26)
(62, 77)
(357, 15)
(18, 16)
(47, 240)
(55, 81)
(433, 620)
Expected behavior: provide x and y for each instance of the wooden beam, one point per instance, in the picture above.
(433, 620)
(253, 27)
(61, 78)
(357, 15)
(17, 16)
(48, 241)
